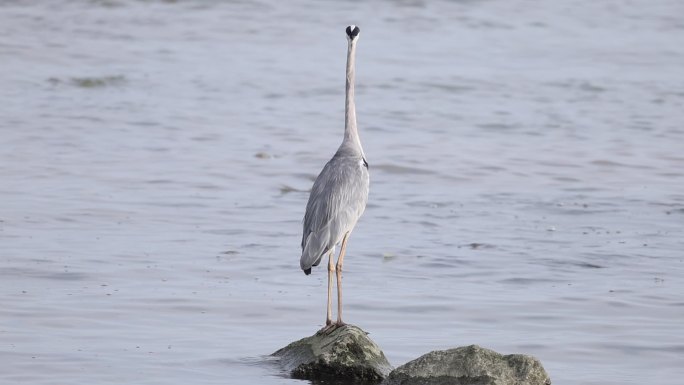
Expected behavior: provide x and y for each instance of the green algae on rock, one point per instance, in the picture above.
(346, 353)
(470, 365)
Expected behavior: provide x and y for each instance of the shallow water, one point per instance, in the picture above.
(527, 185)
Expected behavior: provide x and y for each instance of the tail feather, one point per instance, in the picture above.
(315, 246)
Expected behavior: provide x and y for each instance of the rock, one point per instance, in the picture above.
(344, 354)
(470, 365)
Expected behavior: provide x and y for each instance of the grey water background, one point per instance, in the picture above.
(527, 184)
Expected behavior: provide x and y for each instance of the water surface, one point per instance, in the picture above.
(527, 191)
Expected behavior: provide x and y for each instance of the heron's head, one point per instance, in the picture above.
(353, 32)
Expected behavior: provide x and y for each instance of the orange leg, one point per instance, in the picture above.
(331, 271)
(340, 262)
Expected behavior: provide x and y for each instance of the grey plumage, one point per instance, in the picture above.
(340, 192)
(338, 196)
(337, 200)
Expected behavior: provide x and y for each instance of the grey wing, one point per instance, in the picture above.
(337, 200)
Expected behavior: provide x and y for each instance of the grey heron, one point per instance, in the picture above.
(338, 196)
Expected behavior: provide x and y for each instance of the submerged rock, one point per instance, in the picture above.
(470, 365)
(346, 353)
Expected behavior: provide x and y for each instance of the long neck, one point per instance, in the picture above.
(351, 133)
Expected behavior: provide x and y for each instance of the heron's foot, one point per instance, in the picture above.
(331, 327)
(327, 328)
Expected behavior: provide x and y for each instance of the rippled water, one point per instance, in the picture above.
(527, 184)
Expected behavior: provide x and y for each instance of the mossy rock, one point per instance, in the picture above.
(470, 365)
(345, 354)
